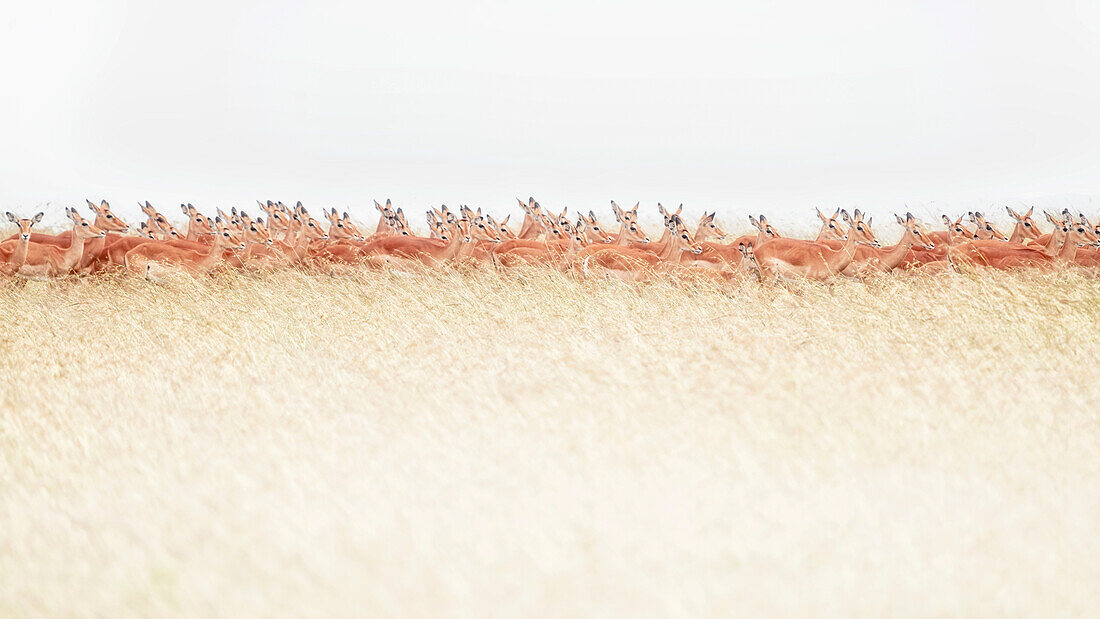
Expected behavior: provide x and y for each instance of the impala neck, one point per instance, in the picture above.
(896, 254)
(840, 259)
(1019, 234)
(1054, 243)
(19, 256)
(210, 259)
(528, 230)
(673, 250)
(74, 252)
(1069, 247)
(622, 240)
(664, 236)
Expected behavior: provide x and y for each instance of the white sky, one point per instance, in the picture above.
(746, 106)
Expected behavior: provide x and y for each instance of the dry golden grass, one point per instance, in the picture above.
(529, 444)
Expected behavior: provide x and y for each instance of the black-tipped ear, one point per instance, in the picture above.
(908, 216)
(902, 221)
(37, 218)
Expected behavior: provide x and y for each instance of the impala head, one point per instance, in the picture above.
(340, 228)
(914, 231)
(622, 215)
(105, 219)
(629, 221)
(594, 230)
(83, 228)
(1091, 234)
(167, 230)
(708, 228)
(437, 226)
(680, 231)
(551, 229)
(482, 229)
(1025, 225)
(986, 229)
(956, 228)
(462, 231)
(501, 227)
(831, 228)
(224, 237)
(145, 231)
(312, 227)
(254, 231)
(748, 258)
(201, 223)
(1060, 224)
(578, 234)
(24, 224)
(277, 218)
(862, 229)
(763, 226)
(1079, 232)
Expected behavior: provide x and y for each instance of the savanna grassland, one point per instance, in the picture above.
(520, 444)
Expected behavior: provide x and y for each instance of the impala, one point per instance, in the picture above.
(986, 230)
(43, 260)
(794, 258)
(1025, 229)
(871, 259)
(11, 258)
(151, 259)
(632, 263)
(405, 249)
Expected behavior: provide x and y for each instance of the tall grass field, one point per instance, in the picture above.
(525, 443)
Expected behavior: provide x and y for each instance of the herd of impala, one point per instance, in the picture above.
(290, 237)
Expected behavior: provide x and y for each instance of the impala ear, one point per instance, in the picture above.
(103, 204)
(754, 222)
(11, 217)
(902, 221)
(821, 216)
(37, 218)
(1029, 211)
(845, 216)
(1013, 213)
(946, 220)
(91, 204)
(868, 222)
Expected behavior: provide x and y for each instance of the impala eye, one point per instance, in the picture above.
(110, 216)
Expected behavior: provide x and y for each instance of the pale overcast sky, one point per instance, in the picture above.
(735, 106)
